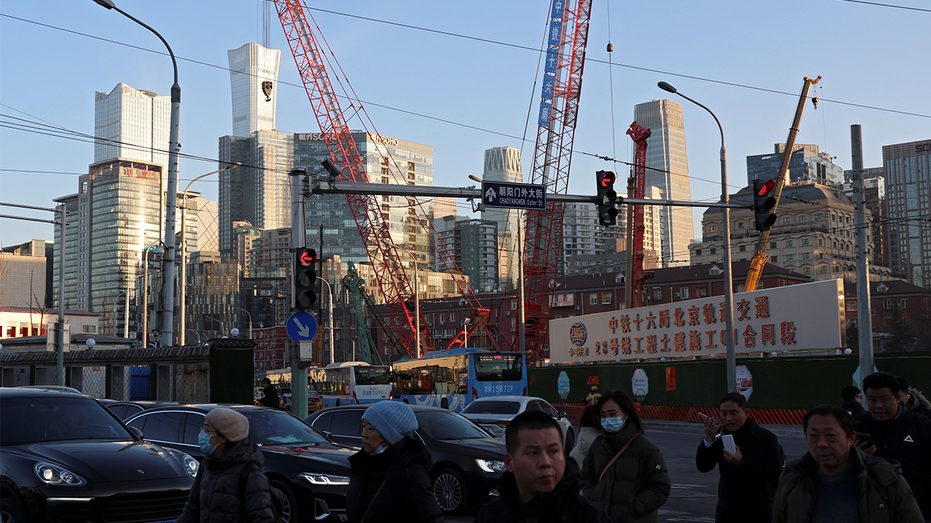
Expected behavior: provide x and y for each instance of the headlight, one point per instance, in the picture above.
(57, 476)
(491, 465)
(324, 479)
(190, 465)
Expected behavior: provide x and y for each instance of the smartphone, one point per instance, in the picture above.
(864, 437)
(703, 415)
(729, 445)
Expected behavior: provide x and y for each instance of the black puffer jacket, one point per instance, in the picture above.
(393, 486)
(745, 491)
(216, 497)
(564, 503)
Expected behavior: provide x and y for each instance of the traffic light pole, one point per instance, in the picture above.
(299, 186)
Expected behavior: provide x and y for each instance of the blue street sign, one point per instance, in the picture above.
(514, 195)
(302, 326)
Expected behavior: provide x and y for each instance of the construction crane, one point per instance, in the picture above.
(312, 60)
(562, 85)
(636, 276)
(760, 258)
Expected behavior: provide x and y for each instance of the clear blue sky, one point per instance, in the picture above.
(744, 60)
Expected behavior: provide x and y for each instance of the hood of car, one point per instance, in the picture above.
(488, 418)
(484, 448)
(333, 453)
(106, 461)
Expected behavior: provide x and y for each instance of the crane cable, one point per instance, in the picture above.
(610, 49)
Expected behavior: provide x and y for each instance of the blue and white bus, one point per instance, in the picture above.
(452, 378)
(350, 382)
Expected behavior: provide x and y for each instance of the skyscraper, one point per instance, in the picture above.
(502, 164)
(908, 176)
(668, 170)
(807, 164)
(251, 66)
(131, 124)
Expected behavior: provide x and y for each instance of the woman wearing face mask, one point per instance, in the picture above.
(230, 486)
(390, 476)
(624, 472)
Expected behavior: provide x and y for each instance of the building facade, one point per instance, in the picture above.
(668, 170)
(502, 164)
(131, 124)
(908, 190)
(254, 85)
(874, 199)
(807, 164)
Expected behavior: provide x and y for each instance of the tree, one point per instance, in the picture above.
(897, 325)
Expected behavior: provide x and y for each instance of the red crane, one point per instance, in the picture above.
(312, 61)
(637, 275)
(562, 85)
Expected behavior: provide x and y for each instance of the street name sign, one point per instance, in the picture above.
(514, 195)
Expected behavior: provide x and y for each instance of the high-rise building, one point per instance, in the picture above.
(808, 164)
(260, 190)
(502, 164)
(389, 161)
(874, 199)
(668, 170)
(472, 245)
(131, 124)
(254, 82)
(908, 176)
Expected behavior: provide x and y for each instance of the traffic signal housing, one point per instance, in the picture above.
(305, 277)
(763, 202)
(607, 197)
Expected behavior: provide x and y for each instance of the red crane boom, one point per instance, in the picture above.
(638, 276)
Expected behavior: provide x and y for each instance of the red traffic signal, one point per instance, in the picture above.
(763, 202)
(606, 179)
(307, 257)
(304, 278)
(765, 187)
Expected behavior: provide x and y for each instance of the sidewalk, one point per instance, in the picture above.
(778, 430)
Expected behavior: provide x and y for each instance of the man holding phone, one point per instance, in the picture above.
(749, 469)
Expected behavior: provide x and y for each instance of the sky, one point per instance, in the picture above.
(464, 77)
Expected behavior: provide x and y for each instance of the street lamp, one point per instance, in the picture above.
(145, 289)
(416, 301)
(726, 231)
(465, 332)
(330, 310)
(218, 321)
(174, 131)
(181, 311)
(250, 319)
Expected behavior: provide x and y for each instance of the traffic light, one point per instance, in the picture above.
(763, 202)
(305, 277)
(607, 197)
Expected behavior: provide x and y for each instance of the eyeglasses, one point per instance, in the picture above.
(610, 414)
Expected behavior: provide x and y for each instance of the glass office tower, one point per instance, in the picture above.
(250, 67)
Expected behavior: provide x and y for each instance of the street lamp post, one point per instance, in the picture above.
(174, 131)
(250, 318)
(726, 231)
(416, 301)
(113, 311)
(145, 290)
(330, 314)
(181, 311)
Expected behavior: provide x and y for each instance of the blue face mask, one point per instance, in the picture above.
(612, 425)
(203, 441)
(379, 450)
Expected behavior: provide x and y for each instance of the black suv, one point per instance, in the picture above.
(312, 471)
(66, 458)
(467, 461)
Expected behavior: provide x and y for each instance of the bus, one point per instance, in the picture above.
(350, 382)
(452, 378)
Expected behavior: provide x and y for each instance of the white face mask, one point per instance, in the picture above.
(612, 425)
(379, 450)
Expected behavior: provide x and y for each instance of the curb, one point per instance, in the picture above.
(778, 430)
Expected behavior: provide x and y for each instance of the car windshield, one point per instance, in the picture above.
(57, 418)
(492, 407)
(448, 425)
(276, 428)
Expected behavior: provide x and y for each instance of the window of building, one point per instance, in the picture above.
(887, 304)
(513, 305)
(742, 248)
(442, 319)
(774, 259)
(805, 241)
(713, 250)
(806, 270)
(904, 303)
(657, 293)
(697, 252)
(701, 292)
(851, 306)
(824, 268)
(683, 293)
(786, 220)
(772, 245)
(789, 243)
(593, 299)
(790, 257)
(818, 217)
(741, 225)
(606, 298)
(452, 317)
(712, 228)
(806, 256)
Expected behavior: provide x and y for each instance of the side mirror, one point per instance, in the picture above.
(136, 432)
(561, 415)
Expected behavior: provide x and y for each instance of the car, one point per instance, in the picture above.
(467, 461)
(311, 470)
(494, 413)
(127, 409)
(66, 458)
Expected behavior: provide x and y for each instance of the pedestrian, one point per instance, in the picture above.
(540, 485)
(912, 398)
(230, 486)
(853, 400)
(390, 476)
(590, 429)
(593, 396)
(835, 482)
(896, 433)
(270, 391)
(624, 473)
(750, 473)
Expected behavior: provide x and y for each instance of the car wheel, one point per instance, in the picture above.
(289, 511)
(10, 511)
(450, 490)
(570, 440)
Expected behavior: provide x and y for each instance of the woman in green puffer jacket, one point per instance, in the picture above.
(624, 472)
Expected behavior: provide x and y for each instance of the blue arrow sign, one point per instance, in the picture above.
(302, 326)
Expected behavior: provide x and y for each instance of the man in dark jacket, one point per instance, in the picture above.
(750, 473)
(897, 433)
(541, 485)
(853, 400)
(390, 477)
(270, 394)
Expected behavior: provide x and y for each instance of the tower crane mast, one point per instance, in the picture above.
(637, 276)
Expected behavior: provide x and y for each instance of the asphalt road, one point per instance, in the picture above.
(694, 494)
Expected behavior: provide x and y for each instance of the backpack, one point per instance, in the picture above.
(281, 506)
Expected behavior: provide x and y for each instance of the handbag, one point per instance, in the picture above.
(615, 457)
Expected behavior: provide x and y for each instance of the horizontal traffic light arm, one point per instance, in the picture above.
(329, 187)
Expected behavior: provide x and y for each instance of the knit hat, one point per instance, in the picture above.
(228, 423)
(392, 419)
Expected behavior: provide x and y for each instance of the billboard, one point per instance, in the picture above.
(796, 317)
